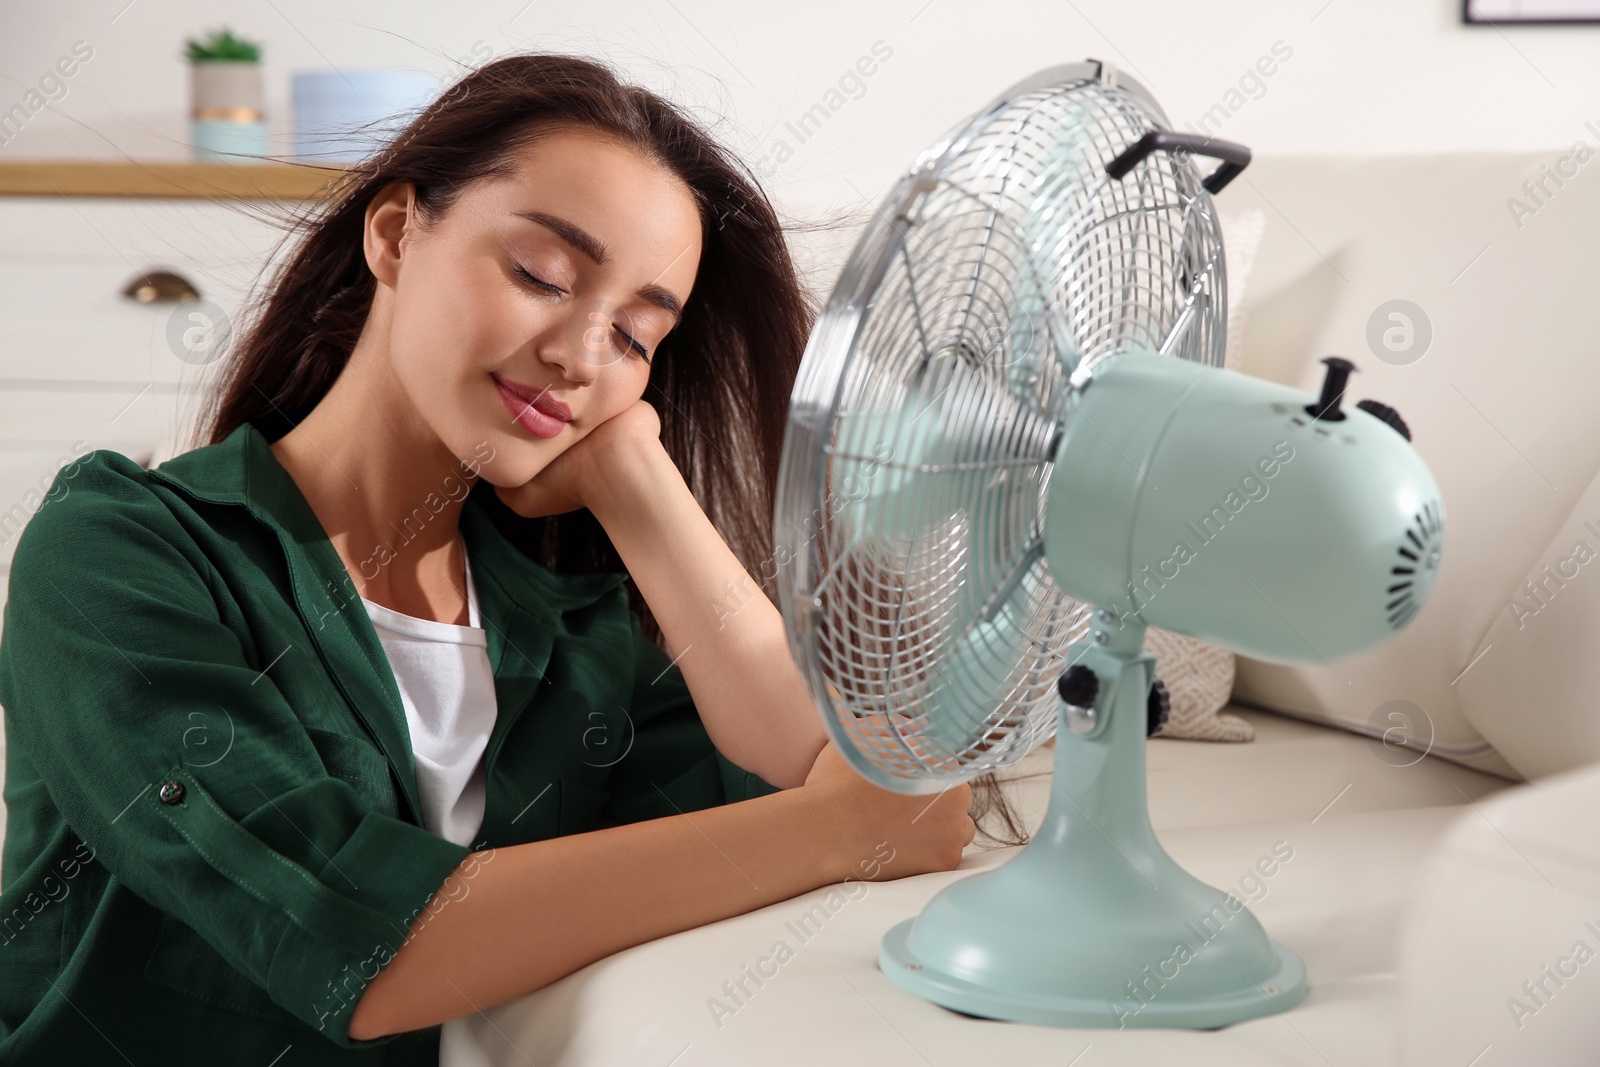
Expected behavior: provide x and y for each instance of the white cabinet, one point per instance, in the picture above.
(83, 367)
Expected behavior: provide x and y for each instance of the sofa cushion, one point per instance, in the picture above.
(1533, 688)
(1500, 949)
(1495, 377)
(1198, 677)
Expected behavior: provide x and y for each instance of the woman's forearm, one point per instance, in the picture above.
(728, 638)
(526, 915)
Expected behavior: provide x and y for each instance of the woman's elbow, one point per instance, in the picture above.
(366, 1022)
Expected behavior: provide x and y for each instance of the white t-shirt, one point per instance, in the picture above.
(447, 687)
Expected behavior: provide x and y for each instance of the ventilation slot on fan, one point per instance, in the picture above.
(1418, 552)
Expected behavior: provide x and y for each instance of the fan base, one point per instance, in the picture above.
(1282, 990)
(1093, 923)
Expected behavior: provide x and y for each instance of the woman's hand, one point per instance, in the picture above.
(924, 833)
(563, 484)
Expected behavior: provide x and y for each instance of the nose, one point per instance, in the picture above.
(580, 345)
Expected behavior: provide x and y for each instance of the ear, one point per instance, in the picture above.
(389, 221)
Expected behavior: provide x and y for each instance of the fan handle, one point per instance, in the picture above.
(1234, 156)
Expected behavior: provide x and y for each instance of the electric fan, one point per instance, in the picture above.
(1012, 446)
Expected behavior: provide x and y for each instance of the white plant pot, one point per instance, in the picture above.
(226, 89)
(228, 122)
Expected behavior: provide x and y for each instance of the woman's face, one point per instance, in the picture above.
(527, 315)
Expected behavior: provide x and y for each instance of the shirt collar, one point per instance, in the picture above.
(519, 601)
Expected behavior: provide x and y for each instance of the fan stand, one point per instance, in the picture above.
(1092, 924)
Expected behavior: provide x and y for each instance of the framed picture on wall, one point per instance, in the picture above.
(1485, 12)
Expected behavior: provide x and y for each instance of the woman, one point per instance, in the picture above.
(356, 720)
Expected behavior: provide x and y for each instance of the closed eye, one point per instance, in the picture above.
(535, 282)
(556, 290)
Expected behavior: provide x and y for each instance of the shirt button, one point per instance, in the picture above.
(171, 792)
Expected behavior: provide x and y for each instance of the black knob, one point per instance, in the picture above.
(1327, 406)
(1160, 706)
(1078, 686)
(1387, 414)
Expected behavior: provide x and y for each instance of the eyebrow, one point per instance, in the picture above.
(595, 250)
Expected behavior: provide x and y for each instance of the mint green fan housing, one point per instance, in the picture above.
(1011, 448)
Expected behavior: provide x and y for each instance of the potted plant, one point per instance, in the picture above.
(227, 120)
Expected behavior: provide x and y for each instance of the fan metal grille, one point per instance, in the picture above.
(923, 424)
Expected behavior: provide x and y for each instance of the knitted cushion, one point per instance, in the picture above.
(1199, 679)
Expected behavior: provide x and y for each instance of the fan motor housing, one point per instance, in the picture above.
(1210, 503)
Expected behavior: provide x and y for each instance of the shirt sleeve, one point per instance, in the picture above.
(671, 765)
(114, 651)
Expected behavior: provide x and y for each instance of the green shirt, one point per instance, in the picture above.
(214, 836)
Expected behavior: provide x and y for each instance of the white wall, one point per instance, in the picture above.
(1363, 76)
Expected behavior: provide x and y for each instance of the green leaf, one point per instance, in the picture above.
(222, 44)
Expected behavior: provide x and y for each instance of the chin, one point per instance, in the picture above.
(511, 461)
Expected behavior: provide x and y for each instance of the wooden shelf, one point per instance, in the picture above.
(165, 179)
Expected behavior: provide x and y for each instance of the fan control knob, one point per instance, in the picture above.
(1078, 686)
(1387, 414)
(1160, 705)
(1327, 406)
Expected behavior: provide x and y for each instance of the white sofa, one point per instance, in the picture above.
(1359, 827)
(1426, 885)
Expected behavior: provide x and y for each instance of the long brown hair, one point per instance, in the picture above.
(720, 380)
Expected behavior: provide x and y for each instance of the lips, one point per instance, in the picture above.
(541, 415)
(539, 398)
